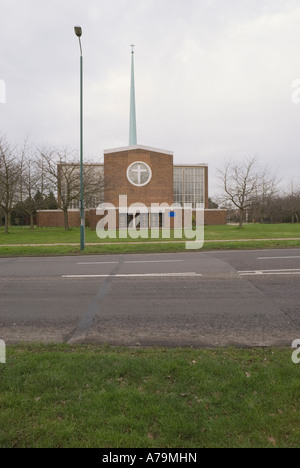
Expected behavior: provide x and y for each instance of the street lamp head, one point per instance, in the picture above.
(78, 31)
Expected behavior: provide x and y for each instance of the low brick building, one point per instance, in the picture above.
(145, 176)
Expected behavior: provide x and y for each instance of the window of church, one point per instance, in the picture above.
(189, 187)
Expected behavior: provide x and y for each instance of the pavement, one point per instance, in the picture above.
(221, 298)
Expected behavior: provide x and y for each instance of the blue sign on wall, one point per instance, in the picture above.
(172, 214)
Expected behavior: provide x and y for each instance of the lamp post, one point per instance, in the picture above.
(78, 32)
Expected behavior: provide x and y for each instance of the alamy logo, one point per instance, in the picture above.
(2, 352)
(296, 93)
(295, 355)
(141, 221)
(2, 92)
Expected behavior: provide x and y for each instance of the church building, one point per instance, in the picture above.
(145, 175)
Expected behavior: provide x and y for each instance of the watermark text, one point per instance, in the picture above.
(296, 93)
(158, 221)
(2, 352)
(296, 353)
(2, 92)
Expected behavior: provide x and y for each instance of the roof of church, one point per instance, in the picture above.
(138, 147)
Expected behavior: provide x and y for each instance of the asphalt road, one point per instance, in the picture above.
(244, 298)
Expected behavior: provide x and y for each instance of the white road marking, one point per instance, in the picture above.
(132, 262)
(252, 251)
(98, 263)
(137, 275)
(154, 261)
(274, 258)
(270, 272)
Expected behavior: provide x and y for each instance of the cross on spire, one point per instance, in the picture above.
(132, 46)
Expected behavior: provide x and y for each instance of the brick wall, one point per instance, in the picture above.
(211, 217)
(158, 190)
(55, 218)
(215, 217)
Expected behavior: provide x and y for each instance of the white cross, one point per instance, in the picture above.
(139, 172)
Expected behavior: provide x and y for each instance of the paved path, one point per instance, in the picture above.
(245, 298)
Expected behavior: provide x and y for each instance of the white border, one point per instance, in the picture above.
(139, 185)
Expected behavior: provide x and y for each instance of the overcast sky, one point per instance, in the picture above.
(214, 78)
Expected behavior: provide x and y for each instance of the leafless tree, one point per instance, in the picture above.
(44, 186)
(292, 197)
(62, 173)
(29, 182)
(10, 174)
(266, 192)
(240, 183)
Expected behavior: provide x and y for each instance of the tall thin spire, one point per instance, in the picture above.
(132, 125)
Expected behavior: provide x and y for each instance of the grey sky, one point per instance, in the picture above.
(213, 77)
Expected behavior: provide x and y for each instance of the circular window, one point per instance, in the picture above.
(139, 174)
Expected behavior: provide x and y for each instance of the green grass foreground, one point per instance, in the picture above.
(89, 396)
(254, 235)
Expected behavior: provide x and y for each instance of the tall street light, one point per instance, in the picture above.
(78, 32)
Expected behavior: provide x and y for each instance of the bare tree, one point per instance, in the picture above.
(10, 174)
(62, 172)
(265, 193)
(240, 183)
(29, 183)
(43, 184)
(293, 202)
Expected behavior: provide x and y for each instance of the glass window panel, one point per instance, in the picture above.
(178, 185)
(192, 186)
(144, 177)
(133, 177)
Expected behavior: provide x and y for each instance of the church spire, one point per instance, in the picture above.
(132, 125)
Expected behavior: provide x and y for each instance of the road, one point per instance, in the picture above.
(216, 298)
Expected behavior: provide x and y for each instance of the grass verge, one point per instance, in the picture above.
(89, 396)
(20, 251)
(258, 237)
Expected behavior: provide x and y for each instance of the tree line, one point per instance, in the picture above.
(45, 178)
(39, 178)
(252, 193)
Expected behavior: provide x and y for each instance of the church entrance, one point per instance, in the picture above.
(144, 220)
(133, 221)
(138, 221)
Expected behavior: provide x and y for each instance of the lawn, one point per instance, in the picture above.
(253, 231)
(89, 396)
(24, 235)
(253, 235)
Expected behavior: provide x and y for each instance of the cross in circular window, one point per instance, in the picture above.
(139, 174)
